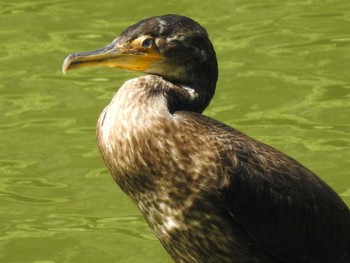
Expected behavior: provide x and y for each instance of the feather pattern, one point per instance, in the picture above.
(210, 192)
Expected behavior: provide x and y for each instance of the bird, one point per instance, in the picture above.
(210, 193)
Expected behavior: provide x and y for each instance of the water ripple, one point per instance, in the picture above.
(51, 224)
(29, 190)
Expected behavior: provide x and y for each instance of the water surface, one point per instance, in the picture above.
(284, 80)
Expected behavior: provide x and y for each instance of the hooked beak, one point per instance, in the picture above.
(129, 56)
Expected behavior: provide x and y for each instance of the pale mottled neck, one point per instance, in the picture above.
(126, 129)
(139, 128)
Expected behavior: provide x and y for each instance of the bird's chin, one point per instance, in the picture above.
(168, 70)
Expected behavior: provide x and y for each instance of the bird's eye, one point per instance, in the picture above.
(147, 42)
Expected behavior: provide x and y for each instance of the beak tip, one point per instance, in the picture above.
(66, 63)
(64, 71)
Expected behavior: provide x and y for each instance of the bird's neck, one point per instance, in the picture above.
(140, 111)
(194, 97)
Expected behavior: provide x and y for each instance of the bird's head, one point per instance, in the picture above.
(172, 46)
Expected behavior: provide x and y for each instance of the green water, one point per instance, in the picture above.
(284, 79)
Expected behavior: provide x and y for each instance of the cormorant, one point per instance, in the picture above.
(210, 193)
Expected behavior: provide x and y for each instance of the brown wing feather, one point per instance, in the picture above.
(278, 202)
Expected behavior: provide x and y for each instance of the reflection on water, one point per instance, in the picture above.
(284, 79)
